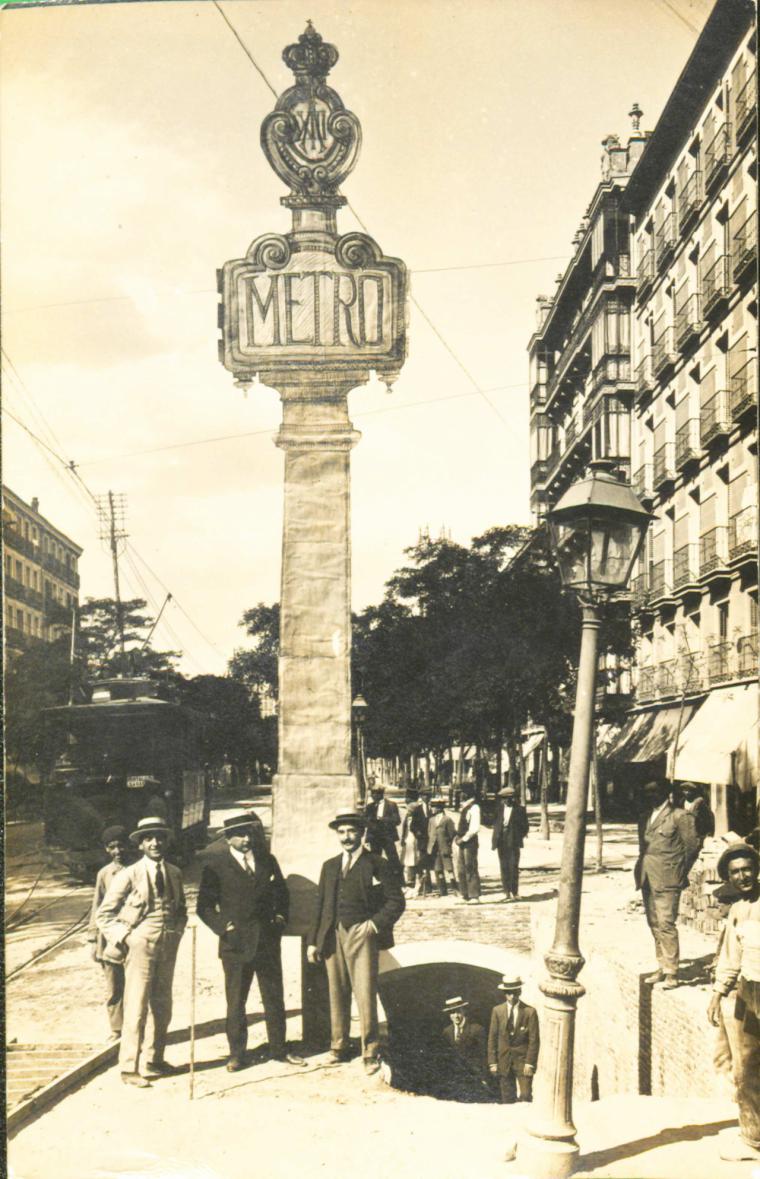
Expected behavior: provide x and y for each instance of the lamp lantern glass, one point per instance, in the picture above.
(359, 707)
(597, 530)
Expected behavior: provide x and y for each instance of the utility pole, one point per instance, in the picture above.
(112, 512)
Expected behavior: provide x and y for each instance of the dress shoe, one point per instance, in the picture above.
(669, 982)
(159, 1068)
(651, 979)
(289, 1058)
(339, 1056)
(371, 1065)
(136, 1080)
(114, 1038)
(235, 1064)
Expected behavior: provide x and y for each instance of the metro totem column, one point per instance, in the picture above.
(312, 313)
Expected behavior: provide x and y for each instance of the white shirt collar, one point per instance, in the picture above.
(151, 865)
(245, 859)
(349, 859)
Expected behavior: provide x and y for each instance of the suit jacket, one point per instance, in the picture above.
(440, 837)
(511, 1049)
(128, 901)
(667, 849)
(102, 881)
(511, 835)
(471, 1045)
(383, 900)
(227, 894)
(391, 817)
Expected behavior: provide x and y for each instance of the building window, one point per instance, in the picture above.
(722, 610)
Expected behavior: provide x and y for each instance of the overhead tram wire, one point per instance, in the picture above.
(457, 360)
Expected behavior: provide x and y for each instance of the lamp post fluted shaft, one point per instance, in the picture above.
(549, 1149)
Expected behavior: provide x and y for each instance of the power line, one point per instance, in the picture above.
(678, 15)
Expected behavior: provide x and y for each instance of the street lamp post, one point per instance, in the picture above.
(359, 708)
(597, 530)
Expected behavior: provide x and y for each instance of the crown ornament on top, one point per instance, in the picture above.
(311, 141)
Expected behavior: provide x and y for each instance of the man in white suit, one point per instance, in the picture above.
(143, 916)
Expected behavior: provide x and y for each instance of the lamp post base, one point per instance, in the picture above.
(537, 1158)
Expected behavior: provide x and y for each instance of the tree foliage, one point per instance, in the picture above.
(99, 644)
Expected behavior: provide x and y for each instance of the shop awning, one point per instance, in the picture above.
(606, 736)
(720, 743)
(648, 735)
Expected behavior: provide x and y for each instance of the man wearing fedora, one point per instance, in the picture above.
(513, 1043)
(383, 820)
(144, 914)
(737, 974)
(466, 842)
(465, 1037)
(668, 846)
(509, 830)
(440, 840)
(358, 903)
(244, 900)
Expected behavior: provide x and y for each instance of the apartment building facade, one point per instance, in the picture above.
(41, 579)
(693, 206)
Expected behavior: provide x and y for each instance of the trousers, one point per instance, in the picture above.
(515, 1087)
(353, 967)
(746, 1066)
(661, 908)
(238, 976)
(148, 979)
(113, 980)
(467, 870)
(509, 865)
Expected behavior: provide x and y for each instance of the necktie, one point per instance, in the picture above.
(160, 884)
(345, 867)
(249, 866)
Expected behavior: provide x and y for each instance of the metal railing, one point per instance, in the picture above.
(744, 248)
(742, 527)
(747, 654)
(719, 661)
(717, 154)
(689, 200)
(746, 104)
(23, 593)
(665, 239)
(667, 678)
(640, 593)
(685, 566)
(662, 578)
(716, 284)
(663, 352)
(643, 380)
(643, 481)
(645, 271)
(664, 464)
(715, 419)
(688, 321)
(713, 550)
(691, 671)
(743, 389)
(646, 688)
(688, 448)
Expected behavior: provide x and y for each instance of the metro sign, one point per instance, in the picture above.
(291, 306)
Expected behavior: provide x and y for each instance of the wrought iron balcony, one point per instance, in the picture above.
(747, 655)
(665, 239)
(743, 391)
(688, 322)
(685, 566)
(688, 448)
(23, 593)
(643, 380)
(645, 273)
(744, 249)
(717, 155)
(663, 353)
(640, 592)
(716, 286)
(742, 541)
(662, 579)
(643, 482)
(690, 200)
(691, 671)
(667, 678)
(715, 420)
(719, 661)
(713, 550)
(664, 465)
(746, 105)
(647, 685)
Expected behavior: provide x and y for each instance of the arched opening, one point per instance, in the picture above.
(414, 983)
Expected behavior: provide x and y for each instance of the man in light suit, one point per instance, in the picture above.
(143, 915)
(509, 830)
(358, 903)
(243, 898)
(668, 846)
(513, 1043)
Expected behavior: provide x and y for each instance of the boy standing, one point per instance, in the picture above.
(116, 844)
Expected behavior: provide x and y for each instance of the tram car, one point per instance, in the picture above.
(122, 756)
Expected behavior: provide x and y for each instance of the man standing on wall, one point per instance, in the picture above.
(383, 820)
(509, 830)
(358, 903)
(467, 844)
(668, 846)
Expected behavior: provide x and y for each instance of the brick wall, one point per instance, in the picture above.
(700, 909)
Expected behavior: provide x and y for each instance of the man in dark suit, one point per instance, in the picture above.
(509, 830)
(359, 902)
(383, 820)
(513, 1042)
(243, 898)
(668, 846)
(466, 1038)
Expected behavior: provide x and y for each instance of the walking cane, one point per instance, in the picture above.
(193, 933)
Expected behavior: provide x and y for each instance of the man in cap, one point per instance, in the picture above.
(465, 1037)
(358, 903)
(143, 915)
(509, 830)
(116, 843)
(668, 844)
(466, 840)
(383, 821)
(737, 973)
(243, 898)
(513, 1042)
(440, 839)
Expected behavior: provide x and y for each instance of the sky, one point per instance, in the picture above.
(131, 170)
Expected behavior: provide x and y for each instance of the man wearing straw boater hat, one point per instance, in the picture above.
(465, 1037)
(244, 899)
(143, 915)
(513, 1042)
(358, 903)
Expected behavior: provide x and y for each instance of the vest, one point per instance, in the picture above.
(464, 820)
(351, 906)
(161, 917)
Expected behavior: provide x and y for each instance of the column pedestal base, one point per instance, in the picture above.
(543, 1158)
